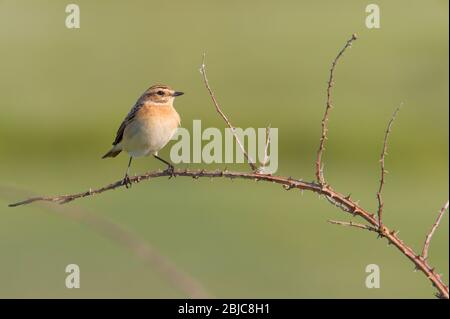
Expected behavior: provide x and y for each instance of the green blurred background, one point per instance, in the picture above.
(64, 93)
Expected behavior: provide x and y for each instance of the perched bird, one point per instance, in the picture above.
(148, 127)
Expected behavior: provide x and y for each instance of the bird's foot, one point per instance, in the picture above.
(171, 171)
(126, 181)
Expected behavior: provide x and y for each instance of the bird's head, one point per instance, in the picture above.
(161, 94)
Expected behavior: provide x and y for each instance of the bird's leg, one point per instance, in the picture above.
(126, 180)
(170, 167)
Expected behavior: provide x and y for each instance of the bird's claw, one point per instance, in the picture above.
(171, 171)
(126, 181)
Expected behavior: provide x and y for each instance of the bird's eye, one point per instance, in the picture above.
(160, 93)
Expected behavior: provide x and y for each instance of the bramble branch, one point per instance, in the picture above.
(426, 245)
(341, 201)
(345, 203)
(383, 170)
(195, 174)
(353, 224)
(319, 166)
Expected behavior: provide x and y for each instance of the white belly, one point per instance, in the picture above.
(147, 138)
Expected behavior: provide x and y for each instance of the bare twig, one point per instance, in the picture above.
(319, 166)
(62, 199)
(250, 161)
(383, 170)
(353, 224)
(179, 279)
(426, 245)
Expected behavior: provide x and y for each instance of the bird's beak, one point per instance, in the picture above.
(176, 93)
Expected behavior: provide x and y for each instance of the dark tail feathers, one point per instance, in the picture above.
(112, 153)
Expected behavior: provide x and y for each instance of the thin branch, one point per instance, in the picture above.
(353, 224)
(250, 161)
(179, 279)
(319, 166)
(383, 170)
(195, 174)
(426, 245)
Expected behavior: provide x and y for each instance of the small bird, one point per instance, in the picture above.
(148, 127)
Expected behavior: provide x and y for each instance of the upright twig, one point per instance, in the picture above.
(329, 105)
(382, 166)
(426, 245)
(225, 118)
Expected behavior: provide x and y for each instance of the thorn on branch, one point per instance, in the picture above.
(353, 224)
(383, 170)
(426, 245)
(329, 105)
